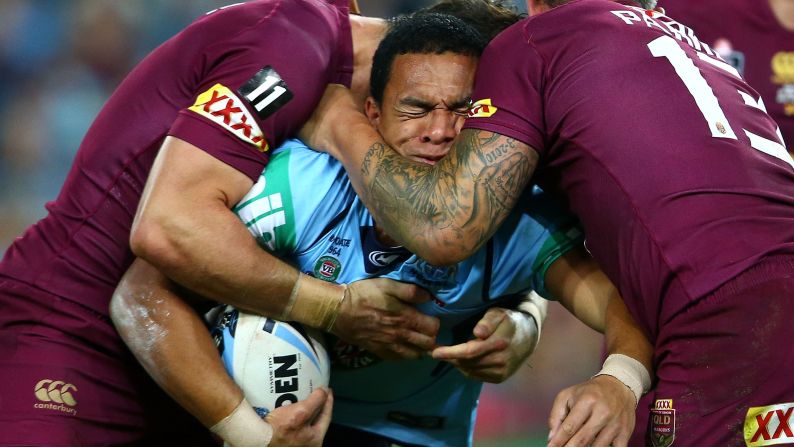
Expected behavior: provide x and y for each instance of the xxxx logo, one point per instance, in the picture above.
(223, 107)
(482, 109)
(770, 425)
(55, 391)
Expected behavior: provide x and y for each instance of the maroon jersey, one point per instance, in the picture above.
(677, 173)
(749, 36)
(235, 83)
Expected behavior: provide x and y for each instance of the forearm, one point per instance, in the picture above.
(581, 287)
(186, 229)
(445, 212)
(171, 342)
(624, 336)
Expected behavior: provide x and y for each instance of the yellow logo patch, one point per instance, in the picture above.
(482, 109)
(783, 67)
(223, 107)
(770, 425)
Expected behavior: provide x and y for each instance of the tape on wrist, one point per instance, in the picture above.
(310, 304)
(536, 306)
(630, 372)
(244, 428)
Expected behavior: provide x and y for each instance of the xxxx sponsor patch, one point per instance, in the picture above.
(770, 425)
(662, 431)
(227, 110)
(482, 109)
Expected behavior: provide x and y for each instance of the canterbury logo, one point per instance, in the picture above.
(783, 67)
(55, 391)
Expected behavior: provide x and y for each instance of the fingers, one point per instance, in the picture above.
(489, 322)
(570, 427)
(417, 322)
(470, 350)
(324, 418)
(419, 341)
(408, 293)
(312, 407)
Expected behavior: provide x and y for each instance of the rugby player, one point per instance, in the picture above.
(681, 181)
(757, 38)
(421, 83)
(184, 136)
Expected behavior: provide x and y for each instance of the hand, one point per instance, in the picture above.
(504, 339)
(304, 423)
(379, 315)
(597, 413)
(336, 105)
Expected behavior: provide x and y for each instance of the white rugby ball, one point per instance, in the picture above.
(274, 363)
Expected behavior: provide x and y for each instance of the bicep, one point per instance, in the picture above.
(185, 176)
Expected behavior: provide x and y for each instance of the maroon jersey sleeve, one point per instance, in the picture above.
(262, 69)
(507, 97)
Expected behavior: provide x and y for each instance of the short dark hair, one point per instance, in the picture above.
(489, 17)
(421, 33)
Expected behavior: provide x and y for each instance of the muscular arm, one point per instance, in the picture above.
(443, 213)
(601, 410)
(583, 288)
(170, 340)
(184, 227)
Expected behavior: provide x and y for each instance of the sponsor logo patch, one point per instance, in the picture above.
(662, 423)
(55, 395)
(266, 92)
(224, 108)
(482, 109)
(770, 425)
(327, 268)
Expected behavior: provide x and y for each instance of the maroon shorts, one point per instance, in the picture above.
(67, 379)
(725, 366)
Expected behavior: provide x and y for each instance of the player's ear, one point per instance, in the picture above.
(372, 110)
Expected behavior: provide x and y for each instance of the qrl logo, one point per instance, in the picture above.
(55, 391)
(769, 425)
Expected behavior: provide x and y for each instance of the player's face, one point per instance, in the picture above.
(424, 104)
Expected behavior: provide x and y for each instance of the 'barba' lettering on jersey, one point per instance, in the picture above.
(223, 107)
(482, 109)
(266, 92)
(654, 19)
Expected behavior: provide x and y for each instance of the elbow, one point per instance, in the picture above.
(155, 241)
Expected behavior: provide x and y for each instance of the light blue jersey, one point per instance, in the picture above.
(304, 209)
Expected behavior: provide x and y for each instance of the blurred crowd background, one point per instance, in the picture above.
(60, 60)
